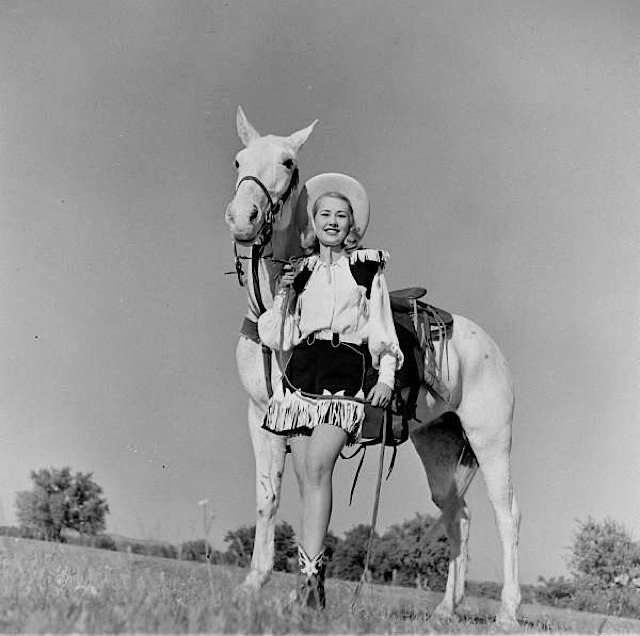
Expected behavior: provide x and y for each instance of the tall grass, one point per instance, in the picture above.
(63, 589)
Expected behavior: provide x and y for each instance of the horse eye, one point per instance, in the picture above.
(237, 164)
(288, 164)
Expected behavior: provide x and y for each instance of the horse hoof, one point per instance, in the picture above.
(442, 613)
(252, 582)
(507, 621)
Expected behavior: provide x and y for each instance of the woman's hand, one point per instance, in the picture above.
(380, 395)
(288, 276)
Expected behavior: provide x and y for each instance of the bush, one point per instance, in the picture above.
(557, 592)
(148, 548)
(99, 541)
(194, 550)
(591, 596)
(603, 551)
(23, 532)
(484, 589)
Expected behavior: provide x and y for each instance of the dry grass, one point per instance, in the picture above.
(66, 589)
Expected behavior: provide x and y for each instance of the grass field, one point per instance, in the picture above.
(52, 588)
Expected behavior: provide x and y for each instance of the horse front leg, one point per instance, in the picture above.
(270, 452)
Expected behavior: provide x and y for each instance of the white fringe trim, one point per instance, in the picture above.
(367, 254)
(292, 411)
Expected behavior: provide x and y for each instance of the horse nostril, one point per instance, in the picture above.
(254, 214)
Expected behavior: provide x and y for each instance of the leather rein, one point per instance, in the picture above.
(262, 240)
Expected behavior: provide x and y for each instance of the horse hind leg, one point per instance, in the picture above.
(450, 467)
(270, 452)
(490, 438)
(457, 520)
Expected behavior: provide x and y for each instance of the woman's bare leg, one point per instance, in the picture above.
(318, 455)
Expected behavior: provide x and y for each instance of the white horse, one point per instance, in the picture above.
(261, 218)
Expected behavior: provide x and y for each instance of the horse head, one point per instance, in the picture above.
(267, 179)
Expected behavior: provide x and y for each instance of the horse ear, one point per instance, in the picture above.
(246, 131)
(298, 138)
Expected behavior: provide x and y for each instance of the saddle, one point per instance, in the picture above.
(419, 326)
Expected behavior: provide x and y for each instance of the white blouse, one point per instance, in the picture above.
(332, 301)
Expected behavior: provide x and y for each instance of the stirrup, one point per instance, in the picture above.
(312, 573)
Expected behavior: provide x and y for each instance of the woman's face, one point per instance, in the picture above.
(333, 221)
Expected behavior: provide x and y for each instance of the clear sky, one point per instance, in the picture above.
(500, 146)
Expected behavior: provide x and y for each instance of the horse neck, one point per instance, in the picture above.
(285, 243)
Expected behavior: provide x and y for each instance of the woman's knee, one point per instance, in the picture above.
(322, 453)
(318, 471)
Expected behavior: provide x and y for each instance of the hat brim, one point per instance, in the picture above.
(342, 184)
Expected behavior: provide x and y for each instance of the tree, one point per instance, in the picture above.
(86, 504)
(240, 546)
(60, 500)
(285, 547)
(330, 544)
(407, 555)
(349, 554)
(604, 553)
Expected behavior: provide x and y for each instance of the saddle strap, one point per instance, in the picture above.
(266, 363)
(355, 477)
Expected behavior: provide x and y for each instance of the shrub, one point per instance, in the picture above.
(99, 541)
(557, 592)
(603, 551)
(592, 596)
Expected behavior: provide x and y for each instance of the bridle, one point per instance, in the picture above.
(265, 234)
(275, 207)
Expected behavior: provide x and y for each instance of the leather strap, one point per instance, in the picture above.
(266, 363)
(249, 330)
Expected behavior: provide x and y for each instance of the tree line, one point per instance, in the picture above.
(404, 555)
(604, 561)
(62, 506)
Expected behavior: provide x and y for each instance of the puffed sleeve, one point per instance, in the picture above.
(270, 325)
(385, 351)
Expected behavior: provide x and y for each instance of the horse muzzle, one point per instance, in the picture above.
(244, 223)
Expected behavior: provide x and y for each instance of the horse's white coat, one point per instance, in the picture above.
(478, 379)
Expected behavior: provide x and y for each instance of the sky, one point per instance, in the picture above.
(500, 147)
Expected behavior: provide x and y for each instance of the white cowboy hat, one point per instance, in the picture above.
(342, 184)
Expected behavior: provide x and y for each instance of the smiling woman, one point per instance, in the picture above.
(339, 327)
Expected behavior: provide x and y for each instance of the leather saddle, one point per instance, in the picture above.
(419, 325)
(407, 301)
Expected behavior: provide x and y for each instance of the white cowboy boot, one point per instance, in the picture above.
(311, 579)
